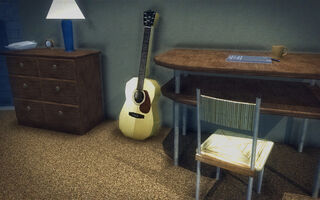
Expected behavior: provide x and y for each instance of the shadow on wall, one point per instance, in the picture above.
(222, 46)
(3, 35)
(5, 91)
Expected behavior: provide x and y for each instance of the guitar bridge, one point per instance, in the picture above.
(136, 115)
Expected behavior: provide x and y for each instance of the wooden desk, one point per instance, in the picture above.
(278, 97)
(294, 65)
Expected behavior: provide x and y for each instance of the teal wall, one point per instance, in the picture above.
(115, 28)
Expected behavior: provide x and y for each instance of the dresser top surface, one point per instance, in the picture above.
(54, 52)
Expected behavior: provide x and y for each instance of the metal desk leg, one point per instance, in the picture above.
(176, 119)
(316, 185)
(313, 82)
(305, 126)
(303, 136)
(184, 120)
(184, 113)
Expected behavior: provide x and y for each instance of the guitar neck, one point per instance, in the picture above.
(145, 56)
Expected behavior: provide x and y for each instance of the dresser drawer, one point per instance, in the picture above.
(57, 68)
(29, 112)
(28, 88)
(61, 117)
(59, 91)
(22, 66)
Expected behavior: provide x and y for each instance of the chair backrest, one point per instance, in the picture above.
(232, 114)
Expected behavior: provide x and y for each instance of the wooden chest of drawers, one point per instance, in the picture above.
(55, 89)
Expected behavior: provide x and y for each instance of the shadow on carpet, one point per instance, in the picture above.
(286, 171)
(102, 164)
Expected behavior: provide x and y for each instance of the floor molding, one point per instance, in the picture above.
(6, 107)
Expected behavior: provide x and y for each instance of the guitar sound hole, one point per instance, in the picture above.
(138, 96)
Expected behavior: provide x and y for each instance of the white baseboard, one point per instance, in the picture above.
(6, 107)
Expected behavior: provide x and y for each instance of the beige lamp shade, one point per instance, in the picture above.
(64, 9)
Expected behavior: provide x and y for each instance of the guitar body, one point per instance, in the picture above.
(140, 120)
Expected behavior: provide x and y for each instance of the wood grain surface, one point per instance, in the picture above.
(294, 65)
(57, 68)
(54, 52)
(55, 89)
(22, 66)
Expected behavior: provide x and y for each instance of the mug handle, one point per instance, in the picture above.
(285, 51)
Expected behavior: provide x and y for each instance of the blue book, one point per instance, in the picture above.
(249, 59)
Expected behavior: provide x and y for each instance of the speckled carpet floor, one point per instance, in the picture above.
(289, 196)
(103, 164)
(288, 173)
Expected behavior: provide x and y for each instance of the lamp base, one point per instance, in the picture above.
(66, 25)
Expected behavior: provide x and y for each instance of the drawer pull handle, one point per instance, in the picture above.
(21, 64)
(57, 89)
(25, 85)
(28, 108)
(60, 113)
(54, 67)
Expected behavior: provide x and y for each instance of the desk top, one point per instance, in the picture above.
(294, 65)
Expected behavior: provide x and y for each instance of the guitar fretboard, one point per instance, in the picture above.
(144, 55)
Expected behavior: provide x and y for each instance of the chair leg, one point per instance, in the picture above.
(260, 178)
(316, 185)
(218, 173)
(249, 192)
(198, 181)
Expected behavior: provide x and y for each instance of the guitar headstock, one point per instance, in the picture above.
(150, 18)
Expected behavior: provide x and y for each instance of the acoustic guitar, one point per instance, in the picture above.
(139, 117)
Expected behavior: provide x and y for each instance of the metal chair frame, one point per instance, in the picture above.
(253, 153)
(316, 185)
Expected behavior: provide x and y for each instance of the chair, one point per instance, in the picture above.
(316, 185)
(229, 150)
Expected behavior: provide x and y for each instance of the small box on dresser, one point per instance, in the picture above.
(56, 90)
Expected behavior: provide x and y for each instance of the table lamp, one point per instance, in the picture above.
(65, 10)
